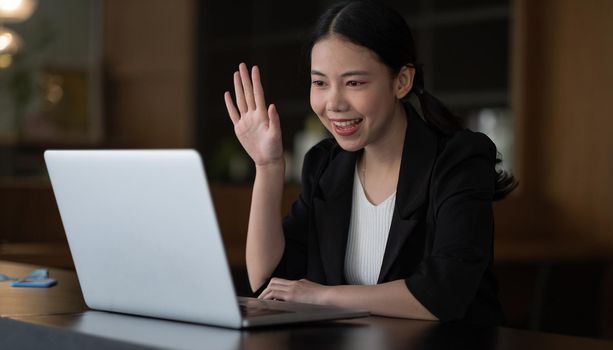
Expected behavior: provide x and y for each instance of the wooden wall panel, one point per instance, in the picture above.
(148, 56)
(578, 115)
(28, 212)
(573, 72)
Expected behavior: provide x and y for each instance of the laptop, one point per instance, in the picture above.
(144, 239)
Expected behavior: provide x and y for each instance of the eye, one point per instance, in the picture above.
(354, 83)
(318, 83)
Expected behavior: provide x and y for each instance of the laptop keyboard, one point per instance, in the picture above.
(251, 311)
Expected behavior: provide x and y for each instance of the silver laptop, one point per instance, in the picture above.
(144, 239)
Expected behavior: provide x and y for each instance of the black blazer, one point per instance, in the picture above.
(441, 237)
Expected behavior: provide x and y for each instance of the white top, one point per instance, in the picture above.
(368, 231)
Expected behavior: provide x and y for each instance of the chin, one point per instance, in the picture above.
(349, 145)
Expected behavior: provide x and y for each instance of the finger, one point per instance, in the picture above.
(232, 112)
(240, 94)
(279, 287)
(265, 291)
(274, 122)
(264, 294)
(280, 281)
(258, 90)
(247, 87)
(270, 294)
(276, 295)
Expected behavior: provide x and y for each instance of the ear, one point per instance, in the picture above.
(404, 81)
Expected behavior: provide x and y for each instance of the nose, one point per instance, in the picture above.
(336, 101)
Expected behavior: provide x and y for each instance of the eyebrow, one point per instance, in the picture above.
(346, 74)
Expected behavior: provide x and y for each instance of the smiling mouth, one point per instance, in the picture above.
(345, 123)
(346, 127)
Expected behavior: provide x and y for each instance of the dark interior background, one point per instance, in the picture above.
(547, 64)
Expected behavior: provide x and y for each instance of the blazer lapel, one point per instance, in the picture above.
(418, 156)
(332, 209)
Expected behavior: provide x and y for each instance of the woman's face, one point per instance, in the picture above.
(352, 93)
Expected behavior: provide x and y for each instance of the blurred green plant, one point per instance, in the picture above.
(21, 75)
(230, 162)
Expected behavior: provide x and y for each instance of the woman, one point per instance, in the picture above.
(395, 214)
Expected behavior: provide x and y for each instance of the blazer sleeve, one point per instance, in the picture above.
(463, 182)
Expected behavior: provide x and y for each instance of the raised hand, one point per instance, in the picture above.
(256, 126)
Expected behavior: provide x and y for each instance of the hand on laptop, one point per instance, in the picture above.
(256, 126)
(301, 291)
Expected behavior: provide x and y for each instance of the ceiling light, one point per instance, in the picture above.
(10, 42)
(16, 10)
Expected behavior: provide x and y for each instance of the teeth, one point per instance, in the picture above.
(345, 124)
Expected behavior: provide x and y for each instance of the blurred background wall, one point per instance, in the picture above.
(546, 78)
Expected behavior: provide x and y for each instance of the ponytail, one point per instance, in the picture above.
(434, 111)
(438, 116)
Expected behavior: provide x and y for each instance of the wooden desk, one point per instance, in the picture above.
(58, 316)
(65, 297)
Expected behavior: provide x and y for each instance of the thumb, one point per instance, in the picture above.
(273, 116)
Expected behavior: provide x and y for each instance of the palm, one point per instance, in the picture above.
(261, 142)
(256, 127)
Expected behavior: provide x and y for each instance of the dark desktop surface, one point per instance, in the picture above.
(100, 330)
(57, 318)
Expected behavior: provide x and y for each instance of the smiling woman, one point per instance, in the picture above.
(353, 94)
(418, 242)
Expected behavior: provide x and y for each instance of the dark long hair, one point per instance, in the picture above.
(372, 25)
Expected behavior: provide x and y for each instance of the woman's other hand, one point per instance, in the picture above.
(301, 291)
(256, 126)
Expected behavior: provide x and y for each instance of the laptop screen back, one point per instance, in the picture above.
(143, 233)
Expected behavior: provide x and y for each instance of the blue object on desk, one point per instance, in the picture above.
(43, 283)
(36, 279)
(4, 278)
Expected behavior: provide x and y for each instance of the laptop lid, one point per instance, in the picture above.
(143, 234)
